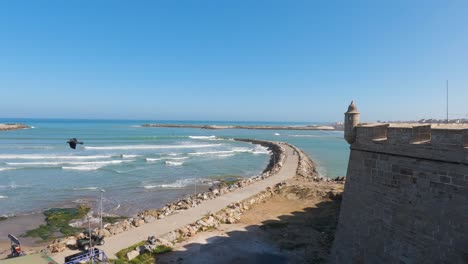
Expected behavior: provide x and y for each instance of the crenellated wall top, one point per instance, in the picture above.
(446, 142)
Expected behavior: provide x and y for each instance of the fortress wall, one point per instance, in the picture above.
(405, 198)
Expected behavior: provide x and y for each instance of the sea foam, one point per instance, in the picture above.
(85, 188)
(174, 163)
(204, 137)
(174, 185)
(128, 147)
(35, 157)
(57, 163)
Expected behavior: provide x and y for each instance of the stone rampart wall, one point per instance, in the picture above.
(405, 198)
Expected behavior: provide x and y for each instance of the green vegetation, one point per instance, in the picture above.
(112, 219)
(231, 182)
(148, 257)
(122, 254)
(57, 220)
(162, 250)
(3, 218)
(228, 180)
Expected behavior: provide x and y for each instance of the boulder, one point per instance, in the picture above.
(105, 232)
(151, 240)
(230, 220)
(115, 229)
(163, 242)
(71, 241)
(59, 247)
(202, 223)
(171, 236)
(132, 254)
(143, 249)
(149, 219)
(138, 222)
(184, 231)
(210, 221)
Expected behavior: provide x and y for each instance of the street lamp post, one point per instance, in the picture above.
(102, 191)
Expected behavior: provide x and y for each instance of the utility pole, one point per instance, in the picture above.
(102, 191)
(447, 104)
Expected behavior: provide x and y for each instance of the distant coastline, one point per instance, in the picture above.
(311, 127)
(4, 127)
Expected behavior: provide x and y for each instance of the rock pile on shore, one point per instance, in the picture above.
(230, 215)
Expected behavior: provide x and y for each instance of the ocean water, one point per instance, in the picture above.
(138, 167)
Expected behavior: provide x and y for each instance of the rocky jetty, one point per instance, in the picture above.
(151, 215)
(312, 127)
(306, 171)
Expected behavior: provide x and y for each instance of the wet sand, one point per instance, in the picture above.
(17, 226)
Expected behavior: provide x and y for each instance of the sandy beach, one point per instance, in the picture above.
(5, 127)
(284, 229)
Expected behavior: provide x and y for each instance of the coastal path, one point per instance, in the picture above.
(182, 218)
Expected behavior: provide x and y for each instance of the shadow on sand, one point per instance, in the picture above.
(302, 237)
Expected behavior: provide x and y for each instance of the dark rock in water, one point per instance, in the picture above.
(340, 178)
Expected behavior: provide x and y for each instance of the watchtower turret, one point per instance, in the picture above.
(350, 123)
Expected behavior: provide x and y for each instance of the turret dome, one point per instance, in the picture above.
(352, 109)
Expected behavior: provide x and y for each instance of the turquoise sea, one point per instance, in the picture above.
(138, 167)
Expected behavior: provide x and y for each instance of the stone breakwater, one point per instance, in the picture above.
(233, 212)
(313, 127)
(149, 216)
(4, 127)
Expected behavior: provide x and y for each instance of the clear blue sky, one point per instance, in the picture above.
(233, 60)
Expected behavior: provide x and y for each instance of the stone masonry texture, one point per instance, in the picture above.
(405, 198)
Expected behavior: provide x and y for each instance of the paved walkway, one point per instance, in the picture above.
(172, 222)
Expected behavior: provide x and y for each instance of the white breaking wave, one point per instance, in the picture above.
(225, 155)
(174, 163)
(3, 196)
(13, 186)
(181, 158)
(152, 147)
(129, 156)
(242, 150)
(261, 150)
(203, 137)
(34, 157)
(5, 169)
(153, 159)
(176, 184)
(211, 152)
(84, 168)
(277, 134)
(85, 188)
(164, 158)
(57, 163)
(174, 154)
